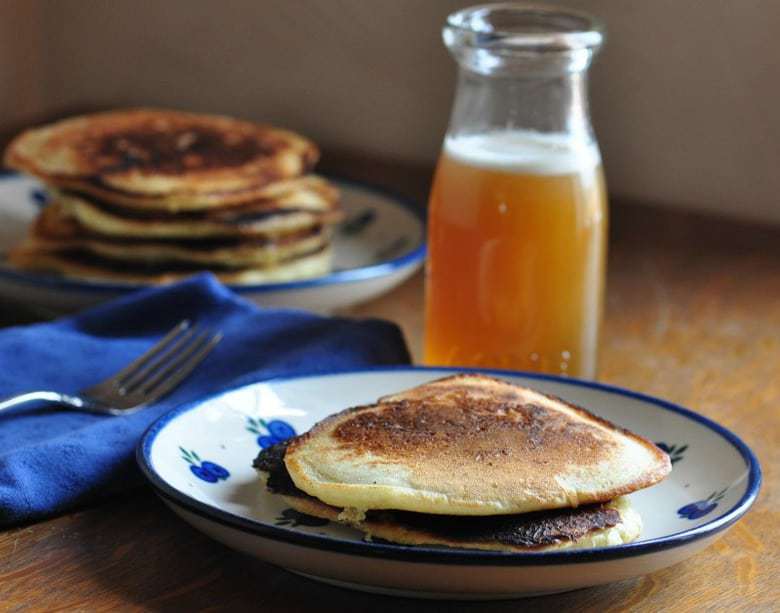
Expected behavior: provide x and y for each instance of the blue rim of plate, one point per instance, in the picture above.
(460, 556)
(350, 275)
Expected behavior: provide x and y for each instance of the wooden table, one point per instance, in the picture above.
(693, 315)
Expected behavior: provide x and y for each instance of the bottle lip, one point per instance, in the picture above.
(510, 26)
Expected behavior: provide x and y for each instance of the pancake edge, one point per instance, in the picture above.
(363, 496)
(628, 530)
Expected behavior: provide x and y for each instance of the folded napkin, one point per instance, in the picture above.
(53, 460)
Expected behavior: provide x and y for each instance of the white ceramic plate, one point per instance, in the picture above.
(381, 243)
(199, 458)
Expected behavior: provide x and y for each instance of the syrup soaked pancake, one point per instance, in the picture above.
(313, 203)
(56, 231)
(470, 445)
(160, 153)
(598, 525)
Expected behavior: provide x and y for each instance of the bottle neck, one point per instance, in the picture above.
(546, 103)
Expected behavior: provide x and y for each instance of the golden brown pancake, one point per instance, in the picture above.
(596, 525)
(307, 192)
(161, 153)
(233, 254)
(56, 231)
(313, 203)
(150, 196)
(599, 525)
(470, 445)
(81, 266)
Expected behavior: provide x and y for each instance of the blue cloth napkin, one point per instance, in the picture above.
(54, 460)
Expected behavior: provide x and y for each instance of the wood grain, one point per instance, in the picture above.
(693, 315)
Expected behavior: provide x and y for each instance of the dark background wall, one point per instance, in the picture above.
(685, 94)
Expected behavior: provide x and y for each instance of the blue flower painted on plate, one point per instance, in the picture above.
(700, 508)
(675, 452)
(39, 197)
(358, 222)
(274, 431)
(210, 472)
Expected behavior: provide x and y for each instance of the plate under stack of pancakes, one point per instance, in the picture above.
(148, 195)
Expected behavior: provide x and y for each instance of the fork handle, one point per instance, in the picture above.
(13, 401)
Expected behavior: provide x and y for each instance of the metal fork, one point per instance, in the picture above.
(147, 379)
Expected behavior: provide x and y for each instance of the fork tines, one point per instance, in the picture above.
(162, 367)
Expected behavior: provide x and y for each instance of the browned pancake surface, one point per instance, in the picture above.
(460, 427)
(173, 146)
(162, 151)
(471, 444)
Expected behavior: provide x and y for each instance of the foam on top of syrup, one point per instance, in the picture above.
(524, 152)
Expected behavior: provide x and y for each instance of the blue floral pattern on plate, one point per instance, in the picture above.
(39, 197)
(700, 508)
(210, 472)
(675, 452)
(358, 222)
(276, 431)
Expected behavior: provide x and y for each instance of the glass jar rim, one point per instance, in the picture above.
(526, 27)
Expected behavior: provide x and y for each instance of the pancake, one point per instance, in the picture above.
(312, 203)
(56, 231)
(161, 153)
(613, 523)
(598, 525)
(246, 254)
(470, 445)
(83, 266)
(307, 192)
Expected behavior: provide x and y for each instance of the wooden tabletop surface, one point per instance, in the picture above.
(693, 315)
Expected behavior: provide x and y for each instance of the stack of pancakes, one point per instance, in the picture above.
(149, 195)
(469, 461)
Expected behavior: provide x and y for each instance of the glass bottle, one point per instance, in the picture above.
(518, 213)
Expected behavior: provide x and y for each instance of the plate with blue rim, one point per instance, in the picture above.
(380, 243)
(199, 458)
